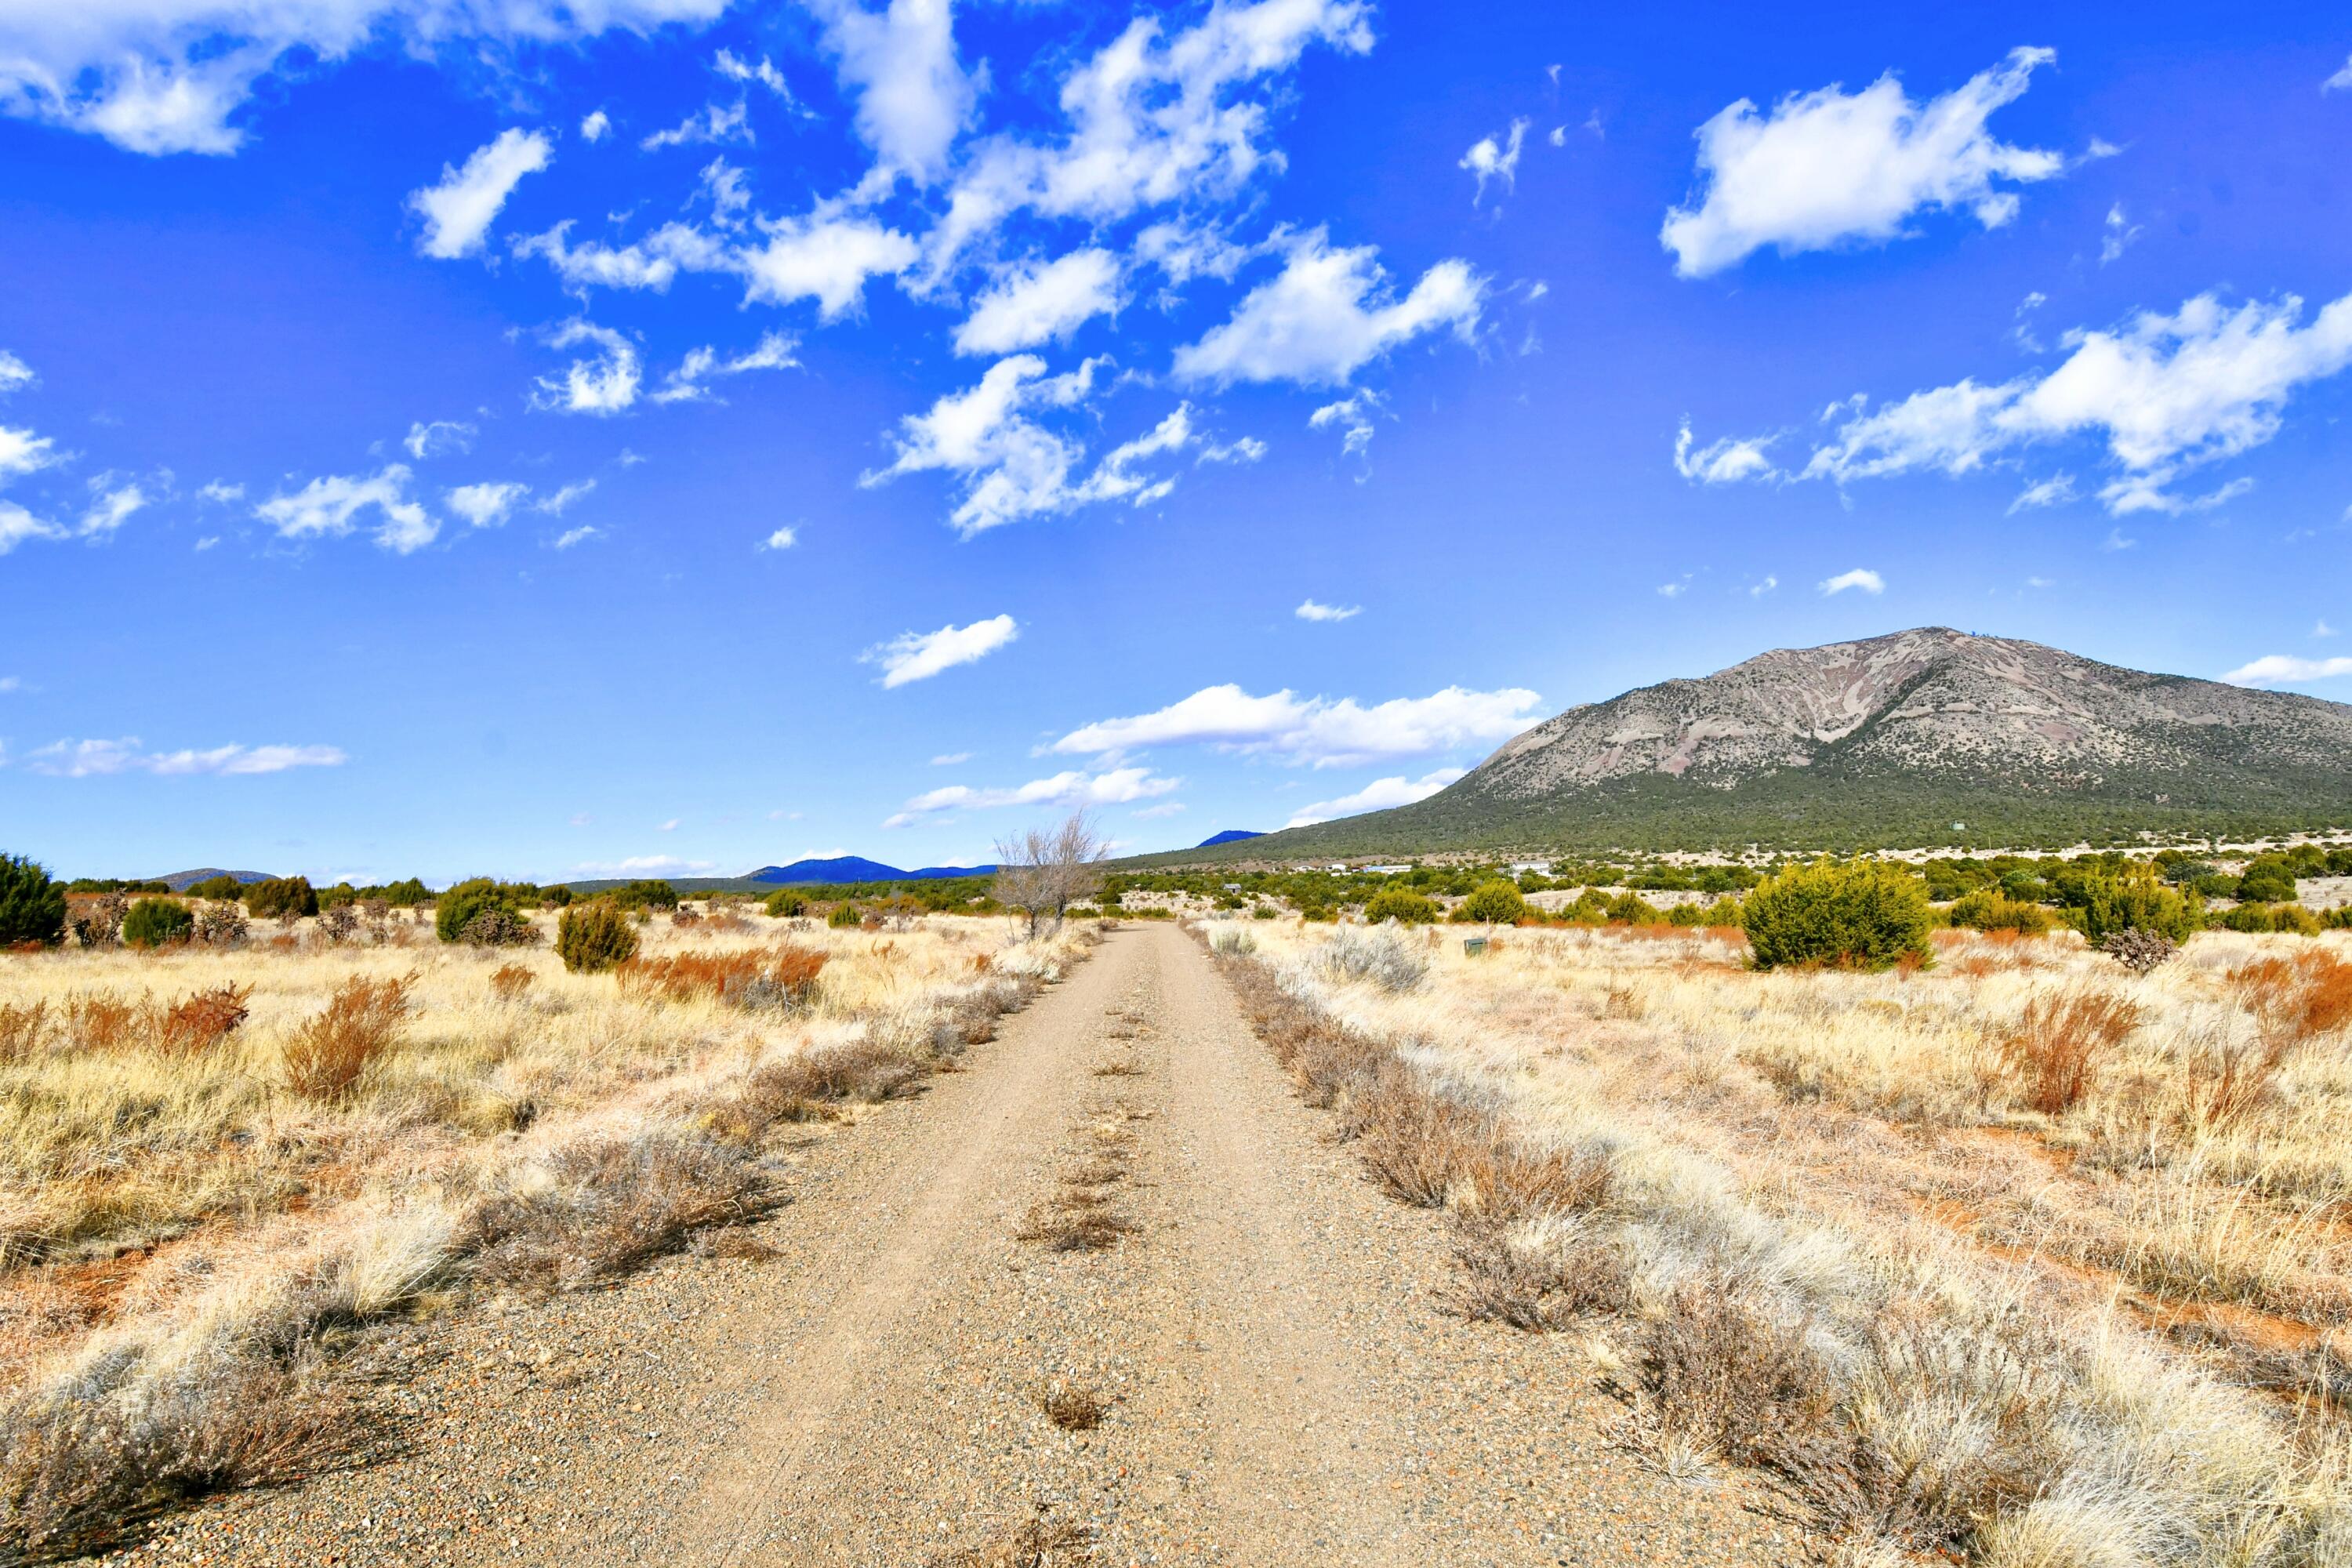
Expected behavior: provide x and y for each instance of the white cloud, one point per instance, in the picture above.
(899, 63)
(17, 526)
(606, 384)
(1033, 302)
(222, 492)
(582, 535)
(440, 438)
(1489, 159)
(167, 77)
(1352, 418)
(1118, 786)
(22, 452)
(782, 538)
(688, 382)
(15, 374)
(2117, 237)
(1830, 166)
(2116, 541)
(1328, 314)
(653, 262)
(111, 508)
(951, 759)
(1012, 465)
(919, 656)
(1311, 611)
(458, 212)
(1154, 119)
(669, 826)
(1724, 461)
(93, 759)
(1861, 577)
(1241, 450)
(2285, 670)
(2323, 630)
(1558, 136)
(484, 505)
(2038, 582)
(1675, 589)
(2342, 79)
(734, 68)
(824, 257)
(2055, 490)
(1764, 587)
(2166, 393)
(717, 124)
(1378, 795)
(1316, 729)
(593, 127)
(1165, 808)
(329, 506)
(562, 500)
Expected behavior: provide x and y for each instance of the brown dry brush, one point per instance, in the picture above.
(362, 1021)
(1072, 1406)
(2056, 1045)
(782, 976)
(1040, 1541)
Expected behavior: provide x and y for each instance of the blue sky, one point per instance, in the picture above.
(442, 436)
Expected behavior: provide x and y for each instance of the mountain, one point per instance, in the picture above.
(1920, 738)
(181, 881)
(1230, 836)
(857, 868)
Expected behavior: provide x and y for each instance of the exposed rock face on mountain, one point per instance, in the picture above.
(1923, 737)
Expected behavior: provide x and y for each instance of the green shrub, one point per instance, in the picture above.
(1630, 909)
(556, 897)
(458, 906)
(1987, 909)
(407, 894)
(2266, 883)
(1858, 914)
(786, 904)
(2133, 899)
(223, 887)
(1405, 908)
(1591, 908)
(154, 923)
(32, 907)
(844, 914)
(2337, 918)
(594, 937)
(1318, 915)
(281, 896)
(1722, 912)
(645, 894)
(1265, 912)
(1497, 902)
(1686, 915)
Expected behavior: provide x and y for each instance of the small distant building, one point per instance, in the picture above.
(1521, 868)
(1233, 887)
(1388, 871)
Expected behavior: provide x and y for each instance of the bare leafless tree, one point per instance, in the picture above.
(1041, 873)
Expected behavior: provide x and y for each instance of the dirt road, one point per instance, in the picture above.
(1279, 1381)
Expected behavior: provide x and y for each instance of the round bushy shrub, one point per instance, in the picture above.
(786, 904)
(281, 896)
(154, 923)
(1631, 908)
(1859, 914)
(1497, 902)
(221, 887)
(2267, 882)
(1987, 909)
(500, 925)
(594, 937)
(32, 907)
(844, 914)
(463, 904)
(2134, 900)
(1398, 905)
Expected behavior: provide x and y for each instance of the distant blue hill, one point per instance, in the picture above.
(857, 868)
(181, 881)
(1230, 836)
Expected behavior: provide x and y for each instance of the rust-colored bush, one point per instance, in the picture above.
(20, 1029)
(99, 1021)
(361, 1022)
(510, 980)
(202, 1020)
(2057, 1043)
(747, 977)
(2295, 1000)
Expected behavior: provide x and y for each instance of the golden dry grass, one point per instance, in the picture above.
(2017, 1256)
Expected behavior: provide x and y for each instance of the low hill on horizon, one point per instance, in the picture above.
(1230, 836)
(181, 881)
(846, 869)
(1917, 739)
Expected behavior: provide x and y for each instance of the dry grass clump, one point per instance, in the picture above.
(599, 1208)
(1083, 1215)
(510, 982)
(361, 1022)
(200, 1021)
(1755, 1281)
(1037, 1543)
(1072, 1406)
(782, 976)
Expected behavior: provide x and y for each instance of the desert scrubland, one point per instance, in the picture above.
(220, 1167)
(2015, 1255)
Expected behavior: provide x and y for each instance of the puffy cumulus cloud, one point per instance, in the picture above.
(1352, 418)
(99, 759)
(1328, 313)
(919, 656)
(824, 256)
(15, 374)
(2286, 670)
(690, 382)
(2164, 393)
(18, 526)
(1011, 464)
(652, 263)
(1724, 461)
(1378, 795)
(439, 438)
(1861, 579)
(606, 383)
(112, 505)
(1154, 119)
(1490, 159)
(458, 212)
(1308, 610)
(1316, 730)
(329, 507)
(593, 127)
(1073, 788)
(1829, 167)
(900, 64)
(484, 505)
(1033, 302)
(168, 78)
(781, 538)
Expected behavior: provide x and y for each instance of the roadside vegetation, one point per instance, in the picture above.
(1985, 1244)
(230, 1153)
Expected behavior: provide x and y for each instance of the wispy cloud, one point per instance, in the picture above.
(1861, 577)
(919, 656)
(98, 759)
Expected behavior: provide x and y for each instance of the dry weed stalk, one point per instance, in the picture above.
(326, 1056)
(2059, 1040)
